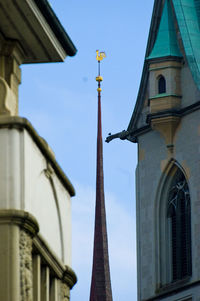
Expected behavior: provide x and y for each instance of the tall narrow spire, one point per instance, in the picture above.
(101, 284)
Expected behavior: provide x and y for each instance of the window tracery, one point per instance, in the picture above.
(179, 231)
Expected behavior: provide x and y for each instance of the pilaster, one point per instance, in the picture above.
(30, 271)
(11, 57)
(16, 231)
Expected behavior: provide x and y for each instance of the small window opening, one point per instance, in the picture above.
(161, 85)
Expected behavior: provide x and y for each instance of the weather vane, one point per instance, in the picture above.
(100, 56)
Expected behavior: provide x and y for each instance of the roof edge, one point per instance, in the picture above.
(155, 20)
(56, 26)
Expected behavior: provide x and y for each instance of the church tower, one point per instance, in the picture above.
(166, 126)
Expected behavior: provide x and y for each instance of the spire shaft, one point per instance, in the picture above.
(101, 284)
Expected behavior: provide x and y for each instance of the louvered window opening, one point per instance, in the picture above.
(161, 85)
(180, 220)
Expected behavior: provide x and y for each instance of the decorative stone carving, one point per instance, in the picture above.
(8, 105)
(26, 278)
(64, 292)
(167, 126)
(11, 56)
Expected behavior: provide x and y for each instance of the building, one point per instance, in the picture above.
(166, 126)
(35, 198)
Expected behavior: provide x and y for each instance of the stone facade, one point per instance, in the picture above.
(154, 163)
(35, 199)
(166, 126)
(159, 149)
(30, 271)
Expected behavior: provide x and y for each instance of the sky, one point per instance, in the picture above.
(60, 100)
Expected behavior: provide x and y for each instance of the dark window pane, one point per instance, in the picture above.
(179, 214)
(161, 85)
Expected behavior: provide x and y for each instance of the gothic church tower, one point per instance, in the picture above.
(166, 125)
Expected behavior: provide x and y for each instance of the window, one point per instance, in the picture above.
(179, 227)
(161, 85)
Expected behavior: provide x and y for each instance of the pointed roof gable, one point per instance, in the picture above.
(166, 42)
(187, 13)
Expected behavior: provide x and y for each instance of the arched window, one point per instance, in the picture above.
(161, 85)
(179, 227)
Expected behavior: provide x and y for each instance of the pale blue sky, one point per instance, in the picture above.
(60, 100)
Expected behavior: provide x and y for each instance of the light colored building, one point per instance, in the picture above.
(166, 126)
(35, 198)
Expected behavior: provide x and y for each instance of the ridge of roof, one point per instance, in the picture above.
(166, 41)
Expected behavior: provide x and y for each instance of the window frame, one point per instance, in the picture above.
(163, 259)
(161, 84)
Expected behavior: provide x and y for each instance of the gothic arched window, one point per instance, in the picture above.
(161, 85)
(179, 230)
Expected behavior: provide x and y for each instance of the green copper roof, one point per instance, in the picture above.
(166, 42)
(188, 17)
(187, 14)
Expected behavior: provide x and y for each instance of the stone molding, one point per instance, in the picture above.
(21, 218)
(12, 49)
(69, 277)
(21, 124)
(167, 126)
(165, 63)
(32, 241)
(65, 273)
(163, 103)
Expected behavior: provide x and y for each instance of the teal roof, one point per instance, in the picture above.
(188, 17)
(166, 42)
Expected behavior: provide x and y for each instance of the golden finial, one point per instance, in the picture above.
(100, 55)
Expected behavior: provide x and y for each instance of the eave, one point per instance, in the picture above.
(133, 135)
(37, 29)
(155, 21)
(56, 26)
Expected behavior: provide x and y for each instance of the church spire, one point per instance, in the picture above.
(100, 285)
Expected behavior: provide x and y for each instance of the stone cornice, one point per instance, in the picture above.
(132, 135)
(63, 272)
(69, 277)
(23, 219)
(23, 123)
(27, 222)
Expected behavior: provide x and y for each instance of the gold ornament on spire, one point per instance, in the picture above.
(100, 55)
